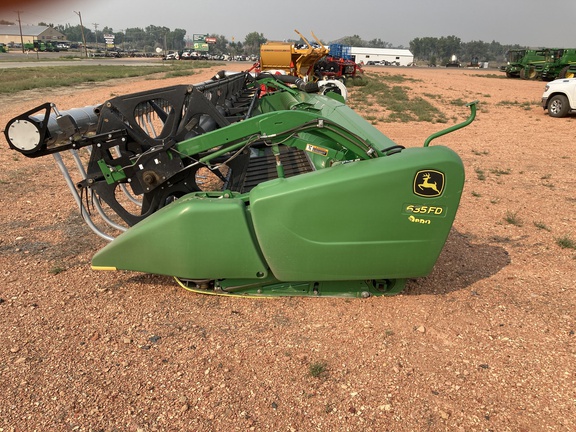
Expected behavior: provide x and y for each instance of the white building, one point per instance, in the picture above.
(402, 57)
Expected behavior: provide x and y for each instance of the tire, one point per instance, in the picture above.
(531, 73)
(566, 73)
(558, 106)
(522, 74)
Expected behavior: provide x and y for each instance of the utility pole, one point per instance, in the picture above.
(83, 37)
(21, 37)
(96, 34)
(123, 37)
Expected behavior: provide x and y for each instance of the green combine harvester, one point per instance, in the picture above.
(561, 63)
(521, 62)
(251, 185)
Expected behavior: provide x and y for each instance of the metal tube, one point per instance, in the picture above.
(85, 118)
(83, 211)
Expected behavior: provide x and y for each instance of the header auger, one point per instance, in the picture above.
(250, 185)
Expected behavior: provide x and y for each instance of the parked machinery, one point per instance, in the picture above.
(454, 62)
(309, 61)
(248, 185)
(338, 64)
(561, 63)
(520, 62)
(293, 59)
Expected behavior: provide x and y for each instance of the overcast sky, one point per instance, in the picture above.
(533, 23)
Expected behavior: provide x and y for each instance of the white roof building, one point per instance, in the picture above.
(401, 57)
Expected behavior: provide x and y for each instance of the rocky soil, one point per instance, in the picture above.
(485, 343)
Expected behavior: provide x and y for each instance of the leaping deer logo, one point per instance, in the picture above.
(426, 184)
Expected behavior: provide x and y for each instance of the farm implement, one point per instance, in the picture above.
(309, 61)
(251, 185)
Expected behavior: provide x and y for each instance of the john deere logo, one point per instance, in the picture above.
(429, 183)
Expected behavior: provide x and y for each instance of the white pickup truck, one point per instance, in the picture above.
(559, 97)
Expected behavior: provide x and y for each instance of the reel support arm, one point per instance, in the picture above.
(469, 120)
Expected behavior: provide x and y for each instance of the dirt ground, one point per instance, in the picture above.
(486, 342)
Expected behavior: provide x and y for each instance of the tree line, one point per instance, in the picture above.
(428, 49)
(439, 50)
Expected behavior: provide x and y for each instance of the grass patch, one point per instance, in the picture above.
(497, 76)
(566, 242)
(30, 78)
(57, 270)
(508, 103)
(397, 78)
(499, 172)
(513, 219)
(480, 174)
(458, 102)
(317, 369)
(356, 82)
(385, 91)
(542, 226)
(480, 152)
(526, 105)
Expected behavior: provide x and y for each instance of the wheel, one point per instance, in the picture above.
(522, 74)
(566, 73)
(558, 106)
(531, 73)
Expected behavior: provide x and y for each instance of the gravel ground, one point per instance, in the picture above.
(486, 342)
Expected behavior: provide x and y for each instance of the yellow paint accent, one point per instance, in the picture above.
(104, 268)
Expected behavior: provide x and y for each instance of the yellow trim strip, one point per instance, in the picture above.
(104, 268)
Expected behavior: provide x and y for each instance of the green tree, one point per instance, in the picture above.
(221, 45)
(355, 41)
(449, 46)
(252, 43)
(135, 38)
(475, 50)
(74, 33)
(429, 48)
(156, 36)
(378, 43)
(175, 39)
(443, 48)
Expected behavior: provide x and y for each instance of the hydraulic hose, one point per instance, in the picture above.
(307, 87)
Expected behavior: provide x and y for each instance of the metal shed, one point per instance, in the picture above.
(10, 34)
